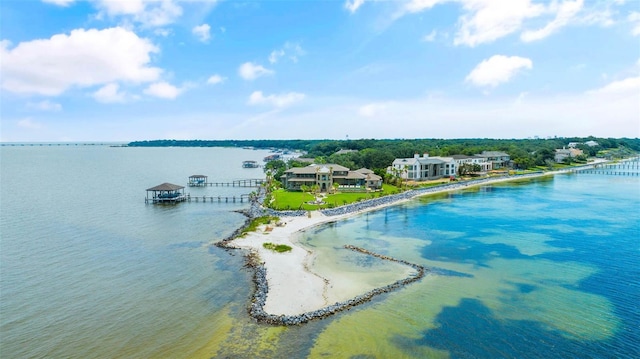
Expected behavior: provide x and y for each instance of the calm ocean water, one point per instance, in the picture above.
(538, 269)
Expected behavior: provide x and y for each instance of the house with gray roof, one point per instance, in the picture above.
(423, 168)
(496, 158)
(326, 175)
(473, 160)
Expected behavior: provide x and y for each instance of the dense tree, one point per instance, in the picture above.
(378, 154)
(275, 168)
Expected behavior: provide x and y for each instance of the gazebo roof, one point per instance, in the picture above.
(166, 187)
(197, 176)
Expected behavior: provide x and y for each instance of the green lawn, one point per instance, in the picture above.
(285, 200)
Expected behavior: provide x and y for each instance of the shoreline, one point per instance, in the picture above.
(287, 292)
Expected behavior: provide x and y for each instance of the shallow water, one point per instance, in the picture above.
(544, 268)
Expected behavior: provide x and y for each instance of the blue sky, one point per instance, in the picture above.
(116, 70)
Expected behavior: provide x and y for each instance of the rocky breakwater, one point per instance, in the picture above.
(256, 308)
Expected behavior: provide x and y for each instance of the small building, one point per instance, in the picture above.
(165, 193)
(197, 181)
(250, 164)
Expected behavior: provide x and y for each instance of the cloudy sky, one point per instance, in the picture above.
(116, 70)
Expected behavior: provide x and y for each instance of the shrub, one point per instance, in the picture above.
(277, 247)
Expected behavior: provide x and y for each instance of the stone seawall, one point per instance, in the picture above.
(256, 308)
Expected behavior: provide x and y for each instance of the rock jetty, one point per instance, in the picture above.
(256, 308)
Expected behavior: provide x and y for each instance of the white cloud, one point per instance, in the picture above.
(371, 110)
(59, 2)
(565, 13)
(28, 123)
(163, 32)
(489, 20)
(291, 50)
(152, 13)
(497, 69)
(202, 32)
(281, 100)
(275, 55)
(414, 6)
(353, 5)
(163, 90)
(634, 19)
(45, 105)
(251, 71)
(215, 79)
(430, 37)
(83, 58)
(628, 86)
(110, 94)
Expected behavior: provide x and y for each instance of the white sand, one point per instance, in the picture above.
(293, 287)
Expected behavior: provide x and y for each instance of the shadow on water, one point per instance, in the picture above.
(471, 331)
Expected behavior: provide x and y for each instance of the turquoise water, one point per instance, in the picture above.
(537, 269)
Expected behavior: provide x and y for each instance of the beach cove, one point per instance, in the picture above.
(289, 292)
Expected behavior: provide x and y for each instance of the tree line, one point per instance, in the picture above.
(378, 154)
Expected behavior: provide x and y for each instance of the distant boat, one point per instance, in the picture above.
(250, 164)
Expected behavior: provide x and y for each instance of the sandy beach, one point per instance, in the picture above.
(293, 287)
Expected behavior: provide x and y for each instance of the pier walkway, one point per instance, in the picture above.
(236, 183)
(625, 168)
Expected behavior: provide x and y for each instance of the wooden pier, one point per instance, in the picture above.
(236, 183)
(220, 199)
(627, 168)
(168, 193)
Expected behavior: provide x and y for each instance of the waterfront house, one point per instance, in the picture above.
(423, 168)
(485, 166)
(325, 176)
(373, 181)
(563, 153)
(496, 158)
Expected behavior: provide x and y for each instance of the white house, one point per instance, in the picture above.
(423, 168)
(473, 160)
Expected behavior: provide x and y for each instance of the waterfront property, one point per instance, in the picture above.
(473, 160)
(423, 168)
(165, 193)
(326, 176)
(197, 181)
(496, 158)
(563, 153)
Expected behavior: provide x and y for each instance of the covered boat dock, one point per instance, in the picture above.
(197, 181)
(165, 193)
